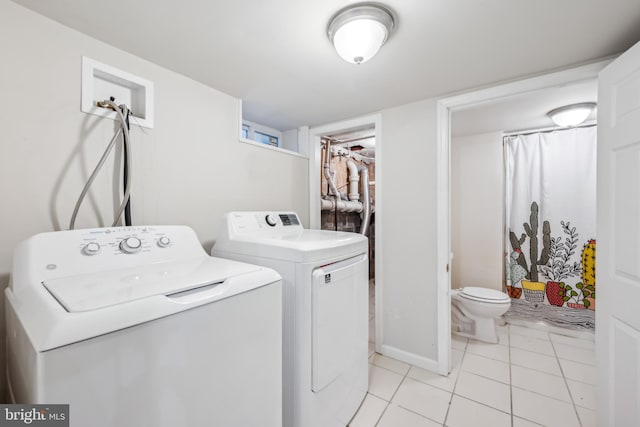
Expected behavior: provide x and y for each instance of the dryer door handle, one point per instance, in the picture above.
(342, 264)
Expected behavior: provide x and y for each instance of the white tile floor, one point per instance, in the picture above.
(531, 378)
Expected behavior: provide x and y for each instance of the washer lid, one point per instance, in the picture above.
(484, 294)
(93, 291)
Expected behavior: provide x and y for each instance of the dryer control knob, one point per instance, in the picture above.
(271, 220)
(91, 248)
(130, 245)
(164, 241)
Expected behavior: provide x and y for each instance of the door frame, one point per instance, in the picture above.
(315, 168)
(445, 106)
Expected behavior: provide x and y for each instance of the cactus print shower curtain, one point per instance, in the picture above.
(550, 217)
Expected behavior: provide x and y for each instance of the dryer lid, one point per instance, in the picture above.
(250, 235)
(297, 246)
(484, 294)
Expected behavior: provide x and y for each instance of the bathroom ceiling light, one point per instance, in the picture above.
(358, 32)
(571, 115)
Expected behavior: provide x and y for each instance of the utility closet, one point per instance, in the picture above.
(348, 185)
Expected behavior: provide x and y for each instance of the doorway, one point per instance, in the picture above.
(351, 146)
(505, 156)
(458, 104)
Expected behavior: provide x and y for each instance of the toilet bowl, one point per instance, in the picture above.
(474, 311)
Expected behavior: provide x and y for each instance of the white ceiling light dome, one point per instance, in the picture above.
(358, 32)
(571, 115)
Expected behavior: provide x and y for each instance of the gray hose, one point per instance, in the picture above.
(127, 192)
(92, 177)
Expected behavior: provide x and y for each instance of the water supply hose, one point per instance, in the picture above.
(127, 191)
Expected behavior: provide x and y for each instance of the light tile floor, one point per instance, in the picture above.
(531, 378)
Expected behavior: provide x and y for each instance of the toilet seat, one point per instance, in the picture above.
(490, 296)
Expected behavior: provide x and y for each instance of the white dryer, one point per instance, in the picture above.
(325, 329)
(139, 326)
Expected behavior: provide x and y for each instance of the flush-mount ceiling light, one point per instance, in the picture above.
(358, 32)
(571, 115)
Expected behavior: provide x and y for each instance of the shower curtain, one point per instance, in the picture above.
(550, 217)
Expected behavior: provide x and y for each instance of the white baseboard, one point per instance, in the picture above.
(410, 358)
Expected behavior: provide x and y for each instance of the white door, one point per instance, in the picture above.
(618, 240)
(340, 321)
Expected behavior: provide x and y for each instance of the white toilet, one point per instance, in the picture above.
(474, 311)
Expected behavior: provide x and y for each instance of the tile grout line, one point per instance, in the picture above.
(578, 347)
(387, 405)
(543, 395)
(455, 383)
(394, 393)
(418, 414)
(577, 361)
(491, 378)
(533, 351)
(466, 350)
(511, 385)
(481, 376)
(564, 378)
(384, 411)
(538, 370)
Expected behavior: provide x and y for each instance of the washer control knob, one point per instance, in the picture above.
(271, 220)
(164, 241)
(130, 245)
(91, 248)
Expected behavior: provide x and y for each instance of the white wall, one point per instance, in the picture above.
(477, 176)
(408, 223)
(190, 169)
(290, 140)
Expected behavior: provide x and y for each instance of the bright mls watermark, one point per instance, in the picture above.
(34, 415)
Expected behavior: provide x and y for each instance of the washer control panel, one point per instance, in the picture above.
(269, 223)
(67, 253)
(124, 240)
(289, 219)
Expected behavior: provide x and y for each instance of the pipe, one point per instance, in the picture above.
(354, 178)
(366, 203)
(327, 171)
(342, 205)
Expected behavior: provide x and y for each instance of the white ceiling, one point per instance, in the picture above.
(521, 112)
(275, 55)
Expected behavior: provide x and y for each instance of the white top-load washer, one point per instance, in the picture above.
(325, 329)
(139, 326)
